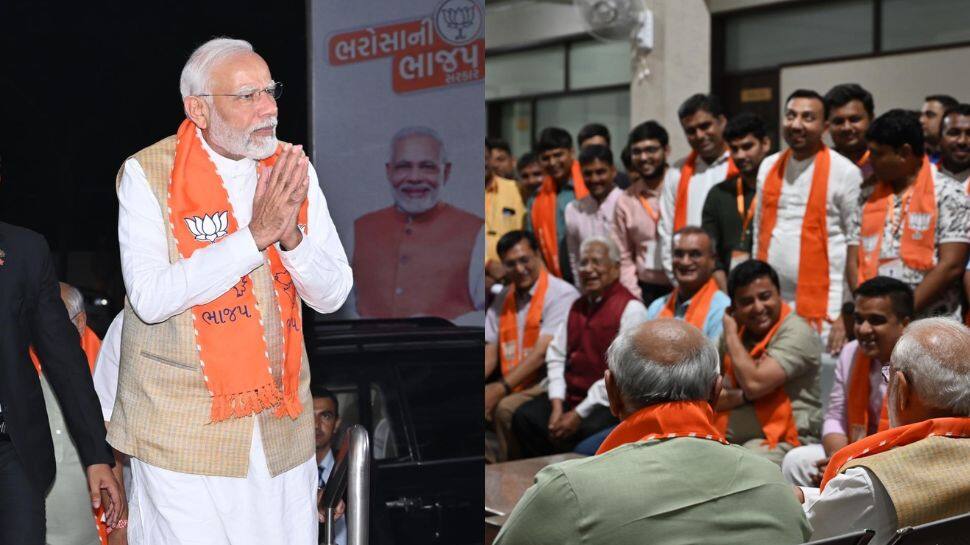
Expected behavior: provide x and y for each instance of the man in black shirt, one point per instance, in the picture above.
(729, 208)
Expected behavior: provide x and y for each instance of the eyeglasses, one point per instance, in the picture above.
(273, 90)
(885, 373)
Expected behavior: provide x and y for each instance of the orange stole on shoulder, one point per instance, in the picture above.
(812, 289)
(857, 402)
(915, 247)
(90, 344)
(665, 421)
(544, 217)
(773, 410)
(508, 332)
(700, 305)
(233, 353)
(686, 173)
(892, 438)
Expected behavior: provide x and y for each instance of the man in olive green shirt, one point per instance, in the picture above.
(664, 475)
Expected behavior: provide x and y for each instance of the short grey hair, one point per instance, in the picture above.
(643, 382)
(417, 130)
(195, 73)
(73, 300)
(933, 354)
(611, 248)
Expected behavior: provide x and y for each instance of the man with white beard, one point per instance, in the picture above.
(419, 256)
(223, 231)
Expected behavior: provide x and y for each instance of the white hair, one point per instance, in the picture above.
(73, 300)
(611, 249)
(195, 73)
(643, 382)
(408, 132)
(933, 353)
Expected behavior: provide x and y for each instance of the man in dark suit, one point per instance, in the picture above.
(31, 313)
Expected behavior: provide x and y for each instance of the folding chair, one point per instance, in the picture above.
(948, 531)
(855, 538)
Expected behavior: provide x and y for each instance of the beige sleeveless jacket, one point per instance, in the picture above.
(161, 413)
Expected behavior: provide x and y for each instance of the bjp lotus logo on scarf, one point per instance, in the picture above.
(919, 223)
(208, 227)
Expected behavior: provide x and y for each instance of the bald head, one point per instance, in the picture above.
(933, 356)
(662, 360)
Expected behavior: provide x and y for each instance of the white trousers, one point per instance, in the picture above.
(798, 467)
(172, 508)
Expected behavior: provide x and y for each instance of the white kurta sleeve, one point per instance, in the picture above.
(852, 501)
(106, 367)
(556, 364)
(158, 289)
(318, 265)
(665, 227)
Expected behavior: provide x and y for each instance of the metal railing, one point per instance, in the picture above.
(351, 473)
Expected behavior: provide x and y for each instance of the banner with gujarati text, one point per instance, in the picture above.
(397, 116)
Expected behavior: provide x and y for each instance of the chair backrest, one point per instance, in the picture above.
(948, 531)
(861, 537)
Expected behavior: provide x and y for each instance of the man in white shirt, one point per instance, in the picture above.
(708, 164)
(326, 421)
(192, 457)
(804, 124)
(559, 421)
(593, 214)
(918, 470)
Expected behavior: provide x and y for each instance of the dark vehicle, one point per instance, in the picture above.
(416, 386)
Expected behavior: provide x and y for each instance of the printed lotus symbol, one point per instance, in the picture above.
(208, 227)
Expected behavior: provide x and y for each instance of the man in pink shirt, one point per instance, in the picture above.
(637, 213)
(591, 216)
(883, 308)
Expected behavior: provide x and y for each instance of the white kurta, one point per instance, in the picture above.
(705, 177)
(168, 507)
(845, 178)
(851, 501)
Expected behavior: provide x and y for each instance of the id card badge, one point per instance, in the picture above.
(738, 257)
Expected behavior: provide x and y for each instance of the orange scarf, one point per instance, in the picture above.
(91, 345)
(700, 305)
(915, 249)
(665, 421)
(686, 174)
(895, 437)
(774, 410)
(857, 402)
(508, 330)
(229, 331)
(654, 215)
(544, 217)
(812, 289)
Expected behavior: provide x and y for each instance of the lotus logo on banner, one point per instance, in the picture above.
(208, 227)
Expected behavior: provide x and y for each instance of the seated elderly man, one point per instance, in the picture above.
(519, 326)
(917, 471)
(665, 475)
(857, 408)
(771, 357)
(576, 358)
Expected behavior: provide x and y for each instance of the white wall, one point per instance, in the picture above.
(515, 24)
(895, 81)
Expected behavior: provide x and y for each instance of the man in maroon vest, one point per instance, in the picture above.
(576, 357)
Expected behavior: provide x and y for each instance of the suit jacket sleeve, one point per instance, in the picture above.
(58, 346)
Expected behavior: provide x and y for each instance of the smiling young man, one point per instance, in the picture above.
(531, 175)
(806, 198)
(954, 145)
(593, 214)
(856, 408)
(519, 326)
(851, 110)
(729, 207)
(576, 358)
(770, 358)
(636, 220)
(562, 184)
(910, 225)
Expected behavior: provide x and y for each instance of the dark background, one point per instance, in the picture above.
(86, 84)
